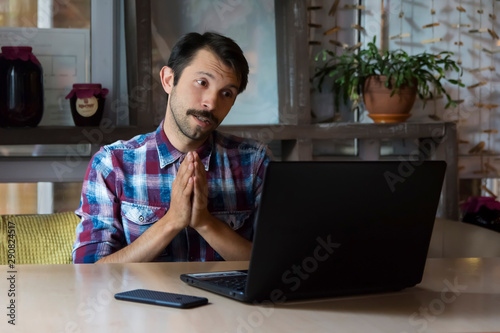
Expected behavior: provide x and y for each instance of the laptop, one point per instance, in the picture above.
(326, 229)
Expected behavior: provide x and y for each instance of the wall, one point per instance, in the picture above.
(250, 23)
(478, 102)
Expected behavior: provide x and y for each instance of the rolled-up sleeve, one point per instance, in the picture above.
(100, 231)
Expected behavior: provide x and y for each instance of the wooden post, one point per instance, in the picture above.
(139, 59)
(381, 26)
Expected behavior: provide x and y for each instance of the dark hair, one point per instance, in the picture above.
(225, 48)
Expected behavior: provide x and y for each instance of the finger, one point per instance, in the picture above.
(201, 176)
(186, 163)
(196, 157)
(199, 167)
(186, 170)
(200, 192)
(201, 185)
(188, 190)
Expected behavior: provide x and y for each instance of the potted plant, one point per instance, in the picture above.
(389, 81)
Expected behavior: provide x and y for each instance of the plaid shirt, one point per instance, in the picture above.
(127, 189)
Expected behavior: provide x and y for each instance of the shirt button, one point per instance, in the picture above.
(141, 218)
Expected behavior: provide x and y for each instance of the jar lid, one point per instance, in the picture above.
(19, 52)
(87, 90)
(87, 86)
(6, 49)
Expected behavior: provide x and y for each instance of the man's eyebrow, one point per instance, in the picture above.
(210, 75)
(234, 87)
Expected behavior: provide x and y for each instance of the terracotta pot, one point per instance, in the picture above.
(383, 108)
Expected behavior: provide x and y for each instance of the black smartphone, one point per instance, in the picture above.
(162, 298)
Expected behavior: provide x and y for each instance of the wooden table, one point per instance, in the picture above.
(456, 295)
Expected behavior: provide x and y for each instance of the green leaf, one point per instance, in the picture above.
(349, 70)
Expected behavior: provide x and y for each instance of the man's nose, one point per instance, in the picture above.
(209, 101)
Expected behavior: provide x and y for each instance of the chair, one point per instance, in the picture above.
(38, 239)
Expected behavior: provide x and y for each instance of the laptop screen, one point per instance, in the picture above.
(334, 228)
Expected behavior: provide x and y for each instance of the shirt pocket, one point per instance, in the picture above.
(234, 219)
(138, 218)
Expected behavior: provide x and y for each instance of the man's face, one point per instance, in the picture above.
(203, 96)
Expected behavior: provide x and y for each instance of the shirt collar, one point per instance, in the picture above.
(168, 154)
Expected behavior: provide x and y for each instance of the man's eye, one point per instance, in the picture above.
(202, 83)
(227, 93)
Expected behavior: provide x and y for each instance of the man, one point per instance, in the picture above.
(184, 192)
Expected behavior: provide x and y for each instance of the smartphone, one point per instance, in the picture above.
(162, 298)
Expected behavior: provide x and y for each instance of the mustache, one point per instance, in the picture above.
(203, 113)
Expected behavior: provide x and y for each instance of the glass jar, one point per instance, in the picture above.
(87, 103)
(21, 87)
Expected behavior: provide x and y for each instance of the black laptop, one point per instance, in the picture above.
(327, 229)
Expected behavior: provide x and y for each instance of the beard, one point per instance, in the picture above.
(183, 122)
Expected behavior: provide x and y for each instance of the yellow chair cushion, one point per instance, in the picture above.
(38, 239)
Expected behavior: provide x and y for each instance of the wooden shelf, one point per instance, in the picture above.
(68, 135)
(297, 141)
(265, 133)
(339, 131)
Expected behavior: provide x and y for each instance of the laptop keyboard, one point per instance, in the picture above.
(236, 283)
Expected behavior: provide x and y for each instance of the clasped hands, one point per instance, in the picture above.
(189, 194)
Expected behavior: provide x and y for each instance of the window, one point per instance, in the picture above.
(45, 13)
(31, 198)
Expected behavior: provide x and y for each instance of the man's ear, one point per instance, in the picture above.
(167, 79)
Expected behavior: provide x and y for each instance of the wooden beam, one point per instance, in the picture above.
(264, 133)
(139, 61)
(292, 53)
(447, 150)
